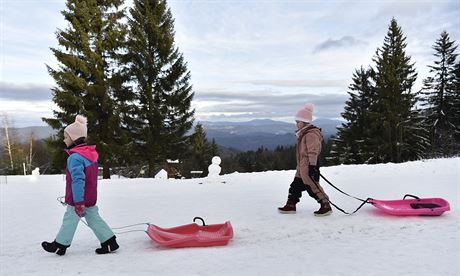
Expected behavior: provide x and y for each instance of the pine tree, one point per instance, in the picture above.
(200, 148)
(214, 148)
(199, 152)
(352, 143)
(87, 63)
(439, 97)
(397, 131)
(455, 112)
(161, 114)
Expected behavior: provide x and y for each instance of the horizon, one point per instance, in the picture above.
(13, 126)
(229, 135)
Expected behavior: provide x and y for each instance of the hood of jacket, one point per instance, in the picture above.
(308, 128)
(87, 151)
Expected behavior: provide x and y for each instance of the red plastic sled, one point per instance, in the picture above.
(192, 235)
(412, 207)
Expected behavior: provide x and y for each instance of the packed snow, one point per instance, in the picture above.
(264, 243)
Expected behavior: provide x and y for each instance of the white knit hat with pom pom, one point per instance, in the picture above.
(78, 128)
(305, 114)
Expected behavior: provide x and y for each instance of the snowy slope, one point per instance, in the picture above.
(265, 242)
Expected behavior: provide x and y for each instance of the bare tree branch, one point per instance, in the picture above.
(8, 142)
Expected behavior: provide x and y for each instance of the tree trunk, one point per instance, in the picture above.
(8, 143)
(30, 152)
(106, 171)
(151, 172)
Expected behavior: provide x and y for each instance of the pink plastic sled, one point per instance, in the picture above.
(412, 207)
(192, 235)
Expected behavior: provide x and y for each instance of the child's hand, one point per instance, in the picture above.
(313, 172)
(80, 210)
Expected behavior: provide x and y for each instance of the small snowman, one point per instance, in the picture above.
(214, 170)
(36, 171)
(34, 174)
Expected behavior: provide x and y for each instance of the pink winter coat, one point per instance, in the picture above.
(307, 151)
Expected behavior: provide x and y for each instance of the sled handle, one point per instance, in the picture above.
(416, 197)
(202, 220)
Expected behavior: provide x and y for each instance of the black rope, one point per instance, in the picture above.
(337, 207)
(341, 190)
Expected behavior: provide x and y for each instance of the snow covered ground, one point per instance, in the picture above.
(265, 242)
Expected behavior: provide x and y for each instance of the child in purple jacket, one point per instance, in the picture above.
(81, 193)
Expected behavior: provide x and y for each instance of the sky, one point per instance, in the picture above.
(251, 59)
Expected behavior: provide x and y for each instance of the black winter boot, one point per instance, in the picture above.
(324, 210)
(289, 208)
(55, 247)
(108, 246)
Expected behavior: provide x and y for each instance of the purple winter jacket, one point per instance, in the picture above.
(81, 175)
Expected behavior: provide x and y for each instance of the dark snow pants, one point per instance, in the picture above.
(296, 189)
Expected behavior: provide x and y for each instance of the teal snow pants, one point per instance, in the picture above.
(95, 222)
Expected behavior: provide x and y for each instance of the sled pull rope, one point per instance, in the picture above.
(129, 231)
(122, 227)
(337, 207)
(128, 226)
(359, 207)
(60, 200)
(325, 179)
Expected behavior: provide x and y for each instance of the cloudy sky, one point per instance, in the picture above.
(248, 58)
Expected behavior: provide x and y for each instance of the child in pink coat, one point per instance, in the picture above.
(309, 140)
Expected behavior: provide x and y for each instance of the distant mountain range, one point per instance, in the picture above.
(244, 136)
(240, 136)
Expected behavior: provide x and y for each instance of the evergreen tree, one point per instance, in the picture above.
(397, 132)
(161, 114)
(326, 150)
(352, 143)
(455, 112)
(439, 97)
(199, 152)
(84, 79)
(214, 148)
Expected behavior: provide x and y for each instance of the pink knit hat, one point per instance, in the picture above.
(78, 128)
(305, 114)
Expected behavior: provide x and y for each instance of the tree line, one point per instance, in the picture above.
(31, 153)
